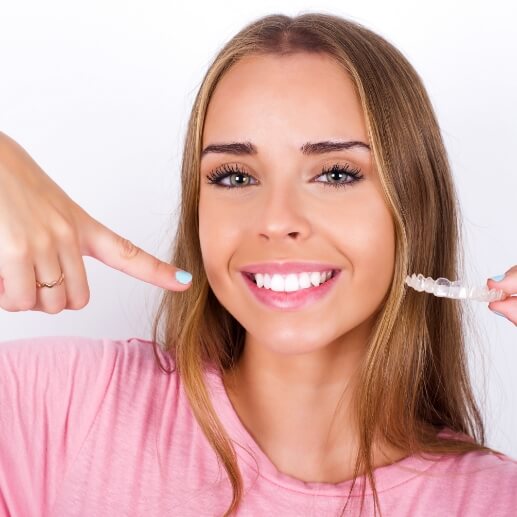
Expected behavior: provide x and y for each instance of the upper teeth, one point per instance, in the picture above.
(292, 281)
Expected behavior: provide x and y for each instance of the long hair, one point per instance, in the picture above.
(414, 379)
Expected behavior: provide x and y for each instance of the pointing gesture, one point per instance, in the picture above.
(43, 236)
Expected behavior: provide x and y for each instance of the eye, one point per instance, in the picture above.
(336, 173)
(237, 178)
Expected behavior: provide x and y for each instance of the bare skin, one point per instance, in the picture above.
(44, 233)
(296, 365)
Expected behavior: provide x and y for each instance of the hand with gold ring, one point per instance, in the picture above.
(44, 234)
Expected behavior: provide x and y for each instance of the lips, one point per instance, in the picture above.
(290, 301)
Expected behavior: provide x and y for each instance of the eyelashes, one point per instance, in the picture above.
(227, 171)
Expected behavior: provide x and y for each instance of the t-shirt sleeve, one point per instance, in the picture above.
(50, 391)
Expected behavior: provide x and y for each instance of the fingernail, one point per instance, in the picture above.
(498, 278)
(499, 314)
(183, 276)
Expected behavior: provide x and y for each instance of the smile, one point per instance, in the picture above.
(292, 291)
(290, 282)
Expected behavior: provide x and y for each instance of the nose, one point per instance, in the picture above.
(283, 214)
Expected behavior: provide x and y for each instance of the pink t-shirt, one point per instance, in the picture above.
(93, 427)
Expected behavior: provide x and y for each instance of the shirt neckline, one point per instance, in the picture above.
(247, 449)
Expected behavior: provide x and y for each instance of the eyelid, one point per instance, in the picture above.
(326, 167)
(216, 176)
(227, 169)
(220, 173)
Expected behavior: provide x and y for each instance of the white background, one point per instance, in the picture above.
(99, 93)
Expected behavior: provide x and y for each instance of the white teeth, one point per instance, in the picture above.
(316, 279)
(304, 279)
(277, 283)
(292, 281)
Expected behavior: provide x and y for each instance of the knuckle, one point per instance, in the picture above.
(54, 309)
(42, 242)
(26, 304)
(157, 265)
(79, 302)
(127, 249)
(9, 306)
(63, 230)
(18, 251)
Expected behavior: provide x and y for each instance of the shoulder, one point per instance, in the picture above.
(487, 465)
(56, 391)
(80, 347)
(478, 482)
(44, 347)
(477, 460)
(80, 375)
(33, 356)
(78, 360)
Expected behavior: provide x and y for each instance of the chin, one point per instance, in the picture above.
(290, 341)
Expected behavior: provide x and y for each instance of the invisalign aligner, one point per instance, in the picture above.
(446, 289)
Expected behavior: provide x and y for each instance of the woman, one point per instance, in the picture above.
(314, 180)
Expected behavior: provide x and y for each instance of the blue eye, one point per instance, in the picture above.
(337, 172)
(239, 179)
(229, 171)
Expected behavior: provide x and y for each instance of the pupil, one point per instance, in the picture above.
(238, 176)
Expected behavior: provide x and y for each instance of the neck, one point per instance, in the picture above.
(297, 407)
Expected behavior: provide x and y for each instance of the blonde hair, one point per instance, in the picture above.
(414, 380)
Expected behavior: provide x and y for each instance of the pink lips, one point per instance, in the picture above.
(290, 301)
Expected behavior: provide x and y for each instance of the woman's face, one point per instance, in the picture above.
(281, 207)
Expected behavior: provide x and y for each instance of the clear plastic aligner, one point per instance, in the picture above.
(444, 288)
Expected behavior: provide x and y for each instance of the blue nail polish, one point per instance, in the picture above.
(183, 277)
(499, 314)
(498, 278)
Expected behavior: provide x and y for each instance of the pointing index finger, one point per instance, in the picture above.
(120, 253)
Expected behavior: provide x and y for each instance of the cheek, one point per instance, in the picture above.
(219, 234)
(363, 233)
(371, 247)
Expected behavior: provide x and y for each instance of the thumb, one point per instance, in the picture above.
(508, 283)
(119, 253)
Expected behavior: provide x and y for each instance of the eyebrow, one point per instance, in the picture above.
(309, 148)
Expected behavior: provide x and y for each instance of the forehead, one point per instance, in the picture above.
(296, 98)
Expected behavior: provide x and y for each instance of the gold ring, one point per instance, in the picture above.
(52, 284)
